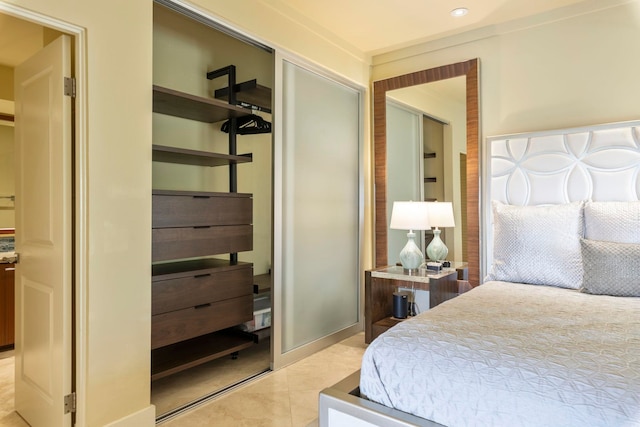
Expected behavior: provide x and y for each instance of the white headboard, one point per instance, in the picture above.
(600, 163)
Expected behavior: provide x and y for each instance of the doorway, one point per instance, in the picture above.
(36, 58)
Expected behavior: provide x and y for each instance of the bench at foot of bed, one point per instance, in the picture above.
(341, 406)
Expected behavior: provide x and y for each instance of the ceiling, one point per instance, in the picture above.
(377, 26)
(19, 39)
(371, 27)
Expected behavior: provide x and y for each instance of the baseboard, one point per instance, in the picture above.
(143, 418)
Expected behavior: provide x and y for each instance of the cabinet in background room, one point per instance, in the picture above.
(7, 302)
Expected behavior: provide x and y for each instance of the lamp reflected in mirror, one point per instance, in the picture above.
(440, 215)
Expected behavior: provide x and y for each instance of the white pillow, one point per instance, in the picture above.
(611, 268)
(612, 221)
(538, 244)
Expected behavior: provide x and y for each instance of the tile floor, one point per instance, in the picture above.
(286, 398)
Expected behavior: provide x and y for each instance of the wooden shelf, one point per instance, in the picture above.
(187, 106)
(177, 357)
(262, 283)
(175, 270)
(249, 92)
(185, 156)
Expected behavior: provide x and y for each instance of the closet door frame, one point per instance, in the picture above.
(280, 358)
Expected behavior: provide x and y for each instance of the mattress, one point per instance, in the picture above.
(507, 354)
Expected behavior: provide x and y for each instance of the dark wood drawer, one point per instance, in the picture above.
(176, 326)
(176, 243)
(190, 209)
(175, 294)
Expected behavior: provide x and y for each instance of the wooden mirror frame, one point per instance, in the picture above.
(380, 88)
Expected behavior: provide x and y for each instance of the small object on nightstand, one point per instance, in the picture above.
(434, 266)
(446, 264)
(400, 304)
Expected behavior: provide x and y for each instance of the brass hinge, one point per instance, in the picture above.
(70, 403)
(70, 87)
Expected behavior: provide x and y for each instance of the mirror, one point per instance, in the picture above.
(382, 88)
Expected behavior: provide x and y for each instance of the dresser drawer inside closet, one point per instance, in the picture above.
(175, 326)
(187, 209)
(185, 292)
(176, 243)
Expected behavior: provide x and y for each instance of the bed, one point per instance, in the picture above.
(552, 337)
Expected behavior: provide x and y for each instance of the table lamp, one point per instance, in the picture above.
(410, 216)
(440, 215)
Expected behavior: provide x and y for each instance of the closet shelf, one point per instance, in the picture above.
(162, 153)
(250, 93)
(196, 351)
(180, 104)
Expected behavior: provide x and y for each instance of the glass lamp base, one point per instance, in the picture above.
(437, 250)
(411, 255)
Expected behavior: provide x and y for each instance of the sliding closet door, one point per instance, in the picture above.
(318, 213)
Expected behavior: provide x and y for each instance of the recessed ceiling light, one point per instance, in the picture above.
(459, 11)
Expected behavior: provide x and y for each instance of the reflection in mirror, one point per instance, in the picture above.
(426, 157)
(469, 71)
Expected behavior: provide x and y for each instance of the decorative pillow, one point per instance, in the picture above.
(611, 268)
(538, 244)
(612, 221)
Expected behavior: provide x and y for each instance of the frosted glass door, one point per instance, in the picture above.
(321, 207)
(404, 160)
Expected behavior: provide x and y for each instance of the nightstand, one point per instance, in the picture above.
(381, 283)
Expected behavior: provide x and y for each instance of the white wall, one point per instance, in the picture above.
(547, 72)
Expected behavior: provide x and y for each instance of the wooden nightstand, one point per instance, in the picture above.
(381, 283)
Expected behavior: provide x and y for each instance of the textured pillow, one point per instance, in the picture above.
(538, 244)
(611, 268)
(612, 221)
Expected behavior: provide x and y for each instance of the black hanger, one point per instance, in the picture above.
(250, 124)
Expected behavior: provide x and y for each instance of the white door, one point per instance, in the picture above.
(43, 236)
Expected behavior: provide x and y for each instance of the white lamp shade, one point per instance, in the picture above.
(441, 214)
(410, 216)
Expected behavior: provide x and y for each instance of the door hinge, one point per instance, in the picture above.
(70, 403)
(70, 86)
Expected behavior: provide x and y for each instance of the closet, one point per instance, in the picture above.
(211, 209)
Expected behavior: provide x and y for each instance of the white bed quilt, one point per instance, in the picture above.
(508, 354)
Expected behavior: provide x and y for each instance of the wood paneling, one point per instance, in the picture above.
(470, 69)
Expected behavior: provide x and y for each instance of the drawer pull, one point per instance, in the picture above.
(202, 305)
(199, 276)
(10, 269)
(202, 226)
(201, 197)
